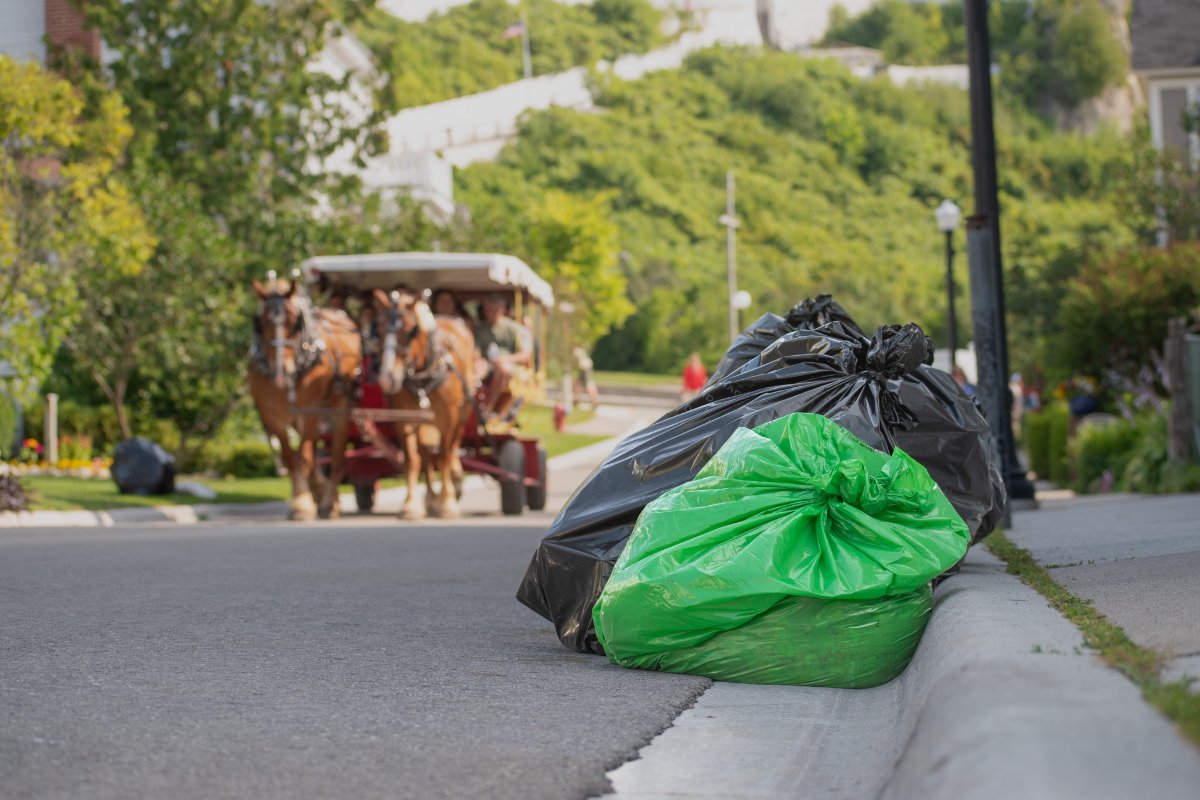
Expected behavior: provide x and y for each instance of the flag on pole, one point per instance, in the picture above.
(515, 30)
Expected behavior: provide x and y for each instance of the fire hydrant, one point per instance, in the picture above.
(560, 417)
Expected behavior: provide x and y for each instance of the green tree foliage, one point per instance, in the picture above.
(171, 337)
(222, 99)
(1161, 191)
(836, 182)
(463, 50)
(1115, 314)
(63, 210)
(573, 243)
(1048, 51)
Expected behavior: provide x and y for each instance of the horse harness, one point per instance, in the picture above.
(304, 337)
(438, 360)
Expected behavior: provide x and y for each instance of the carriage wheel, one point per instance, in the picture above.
(511, 458)
(536, 495)
(364, 495)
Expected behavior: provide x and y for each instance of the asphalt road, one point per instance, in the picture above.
(362, 659)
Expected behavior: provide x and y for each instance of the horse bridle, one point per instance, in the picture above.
(276, 307)
(397, 344)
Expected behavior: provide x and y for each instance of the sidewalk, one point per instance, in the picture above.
(1136, 557)
(1001, 700)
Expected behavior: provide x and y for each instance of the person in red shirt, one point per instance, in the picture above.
(694, 378)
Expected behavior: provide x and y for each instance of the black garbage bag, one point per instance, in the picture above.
(810, 314)
(142, 467)
(951, 437)
(834, 371)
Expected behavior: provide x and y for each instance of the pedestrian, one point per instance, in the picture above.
(585, 382)
(694, 378)
(960, 378)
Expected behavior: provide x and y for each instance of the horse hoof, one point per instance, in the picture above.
(449, 511)
(302, 515)
(412, 513)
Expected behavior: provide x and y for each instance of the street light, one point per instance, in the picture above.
(948, 215)
(730, 221)
(740, 301)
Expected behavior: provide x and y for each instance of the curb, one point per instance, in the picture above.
(1001, 700)
(274, 510)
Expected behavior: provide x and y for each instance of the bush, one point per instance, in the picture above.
(1035, 432)
(8, 425)
(248, 460)
(1134, 451)
(244, 459)
(12, 494)
(1045, 435)
(1097, 449)
(1115, 315)
(97, 423)
(1060, 429)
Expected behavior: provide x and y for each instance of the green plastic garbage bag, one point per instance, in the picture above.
(798, 555)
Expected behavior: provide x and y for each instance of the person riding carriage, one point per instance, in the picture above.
(425, 391)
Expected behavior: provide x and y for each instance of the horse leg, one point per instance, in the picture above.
(413, 508)
(448, 495)
(429, 470)
(304, 509)
(330, 506)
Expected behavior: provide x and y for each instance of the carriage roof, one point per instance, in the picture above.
(464, 272)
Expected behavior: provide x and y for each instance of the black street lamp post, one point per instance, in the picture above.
(948, 215)
(983, 252)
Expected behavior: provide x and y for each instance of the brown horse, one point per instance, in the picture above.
(428, 363)
(305, 357)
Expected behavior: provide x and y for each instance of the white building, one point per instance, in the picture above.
(1166, 57)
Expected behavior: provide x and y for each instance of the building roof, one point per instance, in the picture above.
(1165, 34)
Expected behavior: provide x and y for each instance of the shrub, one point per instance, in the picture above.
(249, 460)
(12, 494)
(1035, 431)
(1100, 448)
(1134, 451)
(1115, 315)
(8, 425)
(1060, 428)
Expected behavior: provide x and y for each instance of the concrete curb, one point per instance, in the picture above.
(1001, 700)
(272, 510)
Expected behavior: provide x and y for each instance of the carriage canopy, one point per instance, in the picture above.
(460, 272)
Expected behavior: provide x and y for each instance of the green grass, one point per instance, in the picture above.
(637, 379)
(51, 493)
(1141, 665)
(538, 421)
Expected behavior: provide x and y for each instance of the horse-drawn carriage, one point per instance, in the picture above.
(417, 398)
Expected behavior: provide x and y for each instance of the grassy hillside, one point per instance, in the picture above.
(837, 179)
(463, 50)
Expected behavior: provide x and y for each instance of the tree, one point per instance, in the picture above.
(1114, 317)
(63, 210)
(222, 98)
(572, 242)
(175, 331)
(837, 180)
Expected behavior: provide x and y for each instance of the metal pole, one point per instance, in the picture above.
(952, 339)
(525, 53)
(987, 217)
(731, 224)
(51, 429)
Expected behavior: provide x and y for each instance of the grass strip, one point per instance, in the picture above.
(1139, 664)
